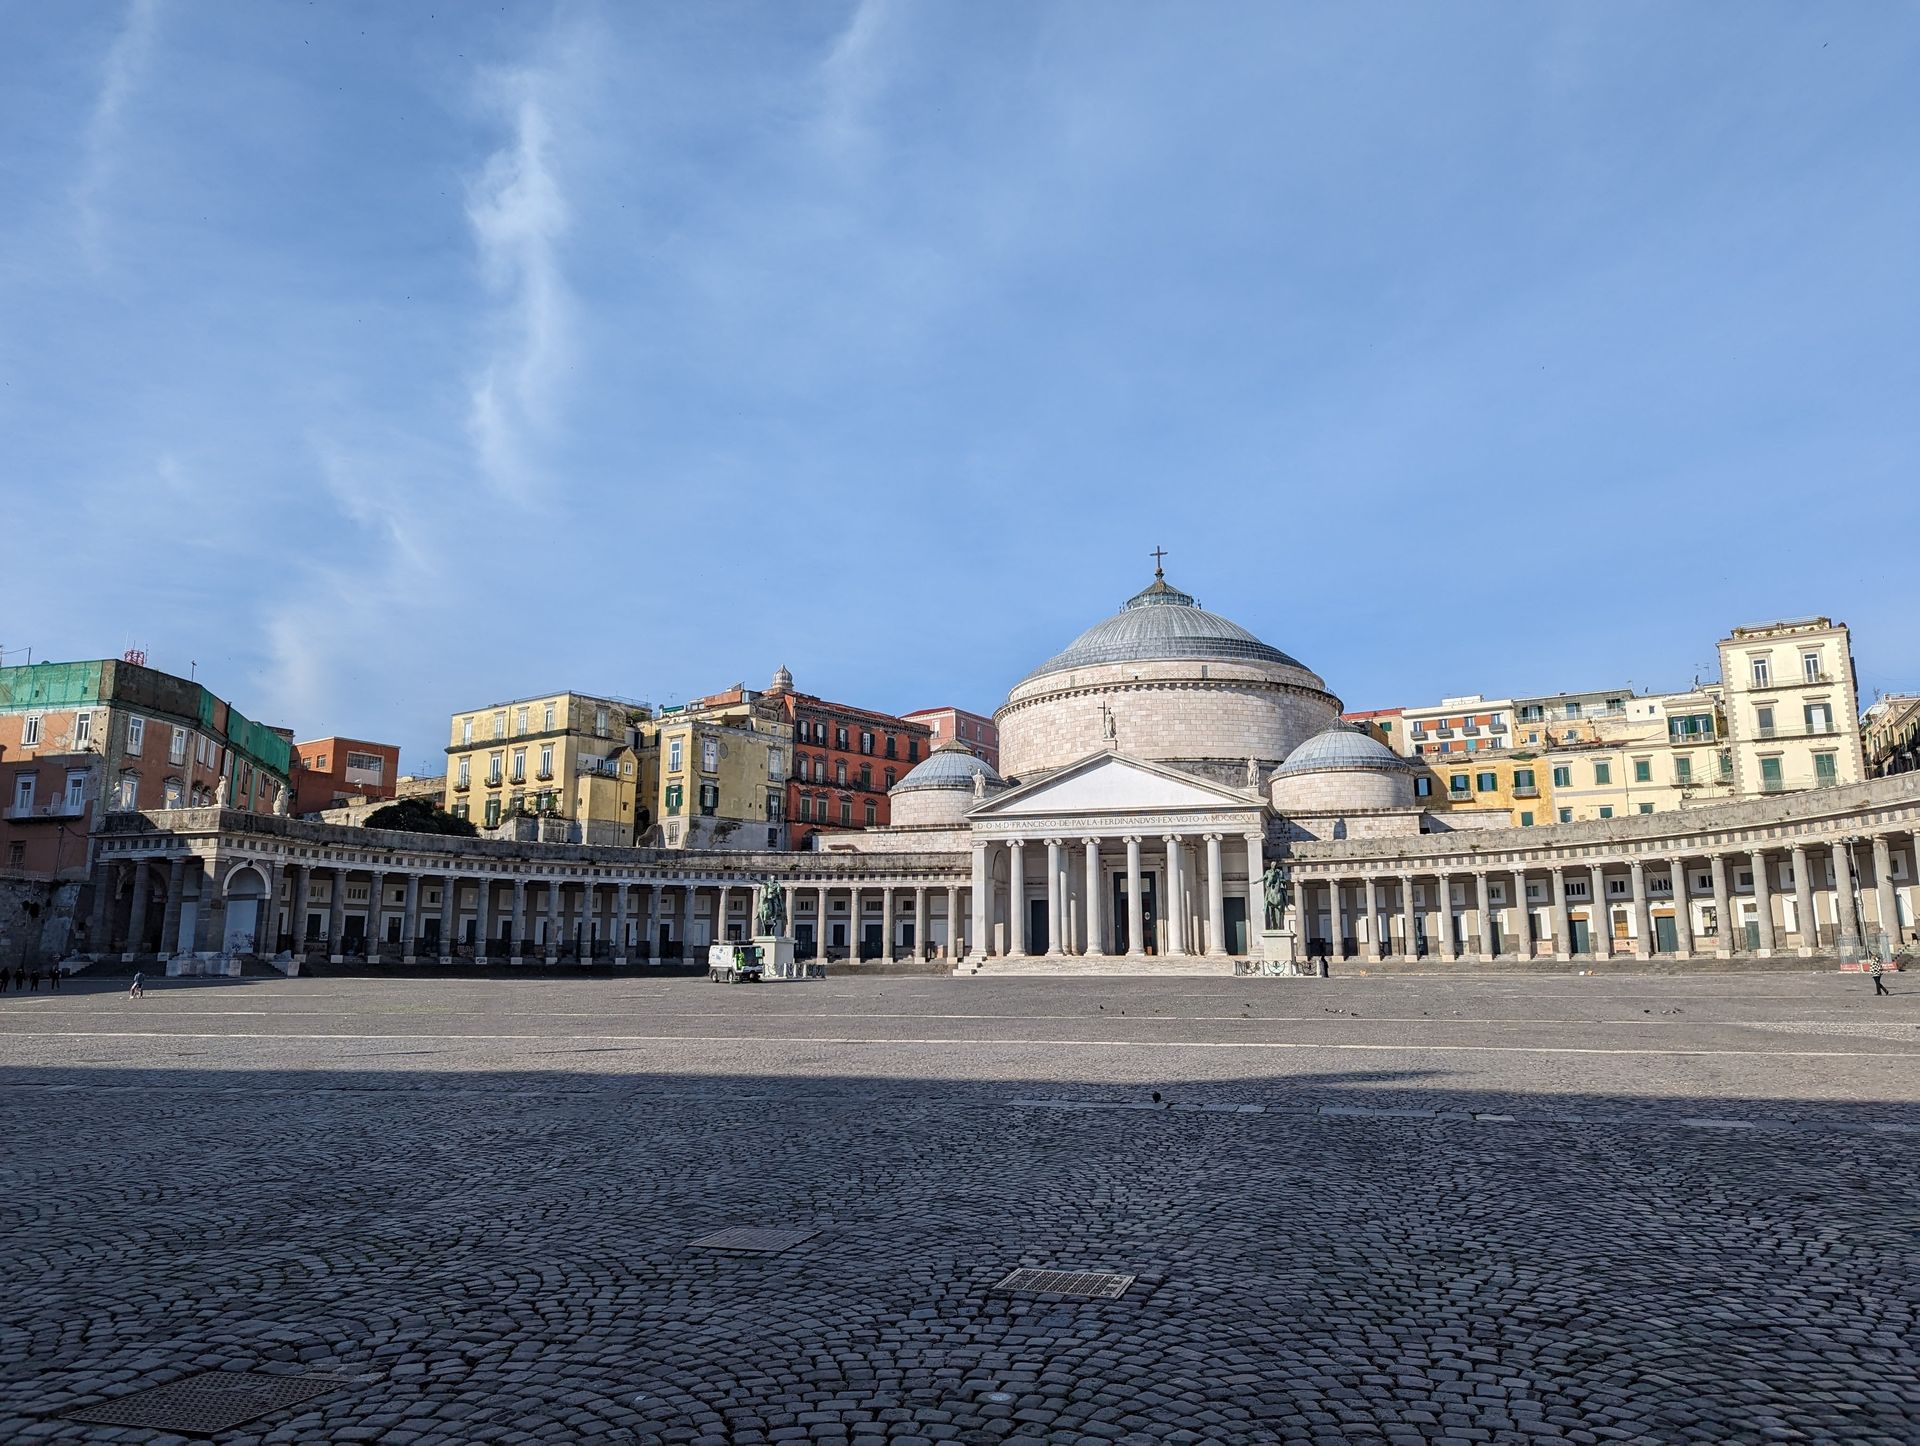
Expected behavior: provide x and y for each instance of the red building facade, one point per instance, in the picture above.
(977, 734)
(328, 772)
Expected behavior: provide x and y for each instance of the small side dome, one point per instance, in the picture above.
(951, 765)
(1344, 745)
(1344, 767)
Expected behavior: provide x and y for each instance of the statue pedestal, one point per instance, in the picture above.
(776, 956)
(1277, 945)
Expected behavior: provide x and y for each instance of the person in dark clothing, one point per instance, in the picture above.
(34, 981)
(53, 978)
(20, 977)
(1878, 971)
(4, 979)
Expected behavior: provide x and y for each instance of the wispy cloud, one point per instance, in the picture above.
(125, 63)
(518, 215)
(852, 76)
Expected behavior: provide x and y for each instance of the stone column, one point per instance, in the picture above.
(376, 903)
(853, 915)
(410, 919)
(1449, 941)
(1370, 891)
(1216, 899)
(920, 921)
(100, 916)
(1888, 921)
(1808, 936)
(982, 896)
(820, 922)
(651, 922)
(336, 915)
(1409, 920)
(1682, 909)
(170, 917)
(298, 876)
(1096, 927)
(522, 916)
(688, 898)
(1642, 916)
(1055, 944)
(1136, 913)
(1562, 916)
(1600, 925)
(1487, 951)
(449, 913)
(1722, 906)
(483, 921)
(1256, 889)
(1848, 942)
(1016, 899)
(792, 897)
(1763, 901)
(720, 917)
(137, 919)
(887, 917)
(955, 934)
(1176, 898)
(622, 920)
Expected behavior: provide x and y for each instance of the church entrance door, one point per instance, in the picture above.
(1236, 926)
(1037, 939)
(1149, 913)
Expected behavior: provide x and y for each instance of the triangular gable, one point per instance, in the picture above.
(1109, 782)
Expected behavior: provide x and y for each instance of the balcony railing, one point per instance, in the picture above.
(1460, 795)
(494, 780)
(1496, 727)
(1773, 785)
(543, 774)
(518, 778)
(1443, 733)
(461, 785)
(1526, 790)
(35, 812)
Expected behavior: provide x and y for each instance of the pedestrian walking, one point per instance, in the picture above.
(33, 980)
(53, 979)
(4, 977)
(20, 977)
(1878, 971)
(135, 991)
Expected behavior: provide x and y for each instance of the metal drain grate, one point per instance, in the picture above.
(210, 1402)
(753, 1240)
(1080, 1284)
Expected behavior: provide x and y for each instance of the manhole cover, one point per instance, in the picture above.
(1080, 1284)
(210, 1402)
(753, 1240)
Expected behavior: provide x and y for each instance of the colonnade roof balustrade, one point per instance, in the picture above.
(1738, 826)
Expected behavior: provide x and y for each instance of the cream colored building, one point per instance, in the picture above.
(717, 777)
(1635, 754)
(524, 757)
(1792, 707)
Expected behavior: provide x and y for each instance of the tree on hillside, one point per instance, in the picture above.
(420, 815)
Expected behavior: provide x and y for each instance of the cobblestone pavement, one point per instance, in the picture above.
(1491, 1210)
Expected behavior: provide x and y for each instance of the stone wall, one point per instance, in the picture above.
(36, 920)
(1162, 711)
(925, 807)
(1337, 788)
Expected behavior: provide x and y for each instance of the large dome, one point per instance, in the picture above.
(1159, 623)
(1163, 679)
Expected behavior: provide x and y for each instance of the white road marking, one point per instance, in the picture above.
(812, 1039)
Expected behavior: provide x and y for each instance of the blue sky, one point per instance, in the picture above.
(387, 359)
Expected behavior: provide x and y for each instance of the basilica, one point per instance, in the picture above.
(1163, 777)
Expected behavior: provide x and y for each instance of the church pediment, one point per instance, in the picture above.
(1110, 783)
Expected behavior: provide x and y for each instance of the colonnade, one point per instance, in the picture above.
(1811, 897)
(1127, 894)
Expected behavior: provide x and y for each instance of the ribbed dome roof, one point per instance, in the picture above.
(1344, 745)
(950, 765)
(1158, 624)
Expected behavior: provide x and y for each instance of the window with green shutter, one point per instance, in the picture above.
(1642, 771)
(674, 795)
(1603, 773)
(1563, 777)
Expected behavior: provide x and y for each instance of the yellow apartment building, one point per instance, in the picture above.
(526, 757)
